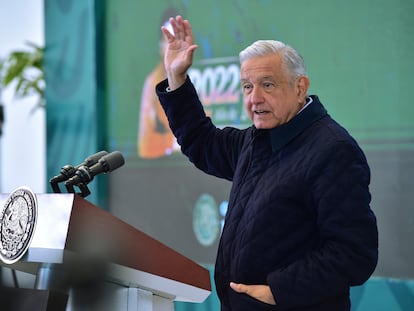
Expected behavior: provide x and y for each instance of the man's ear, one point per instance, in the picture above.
(302, 86)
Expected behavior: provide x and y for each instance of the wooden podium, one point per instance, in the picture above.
(103, 263)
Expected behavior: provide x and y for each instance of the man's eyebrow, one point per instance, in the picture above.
(259, 79)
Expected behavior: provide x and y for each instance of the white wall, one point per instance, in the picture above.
(22, 145)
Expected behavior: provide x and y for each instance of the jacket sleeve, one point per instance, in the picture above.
(348, 250)
(209, 148)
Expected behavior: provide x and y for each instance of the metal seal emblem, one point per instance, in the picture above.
(17, 224)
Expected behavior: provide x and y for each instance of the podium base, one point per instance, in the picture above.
(94, 294)
(116, 297)
(23, 299)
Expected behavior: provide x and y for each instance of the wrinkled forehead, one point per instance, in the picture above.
(262, 66)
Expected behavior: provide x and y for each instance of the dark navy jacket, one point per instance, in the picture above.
(299, 218)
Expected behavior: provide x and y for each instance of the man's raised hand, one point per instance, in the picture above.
(179, 52)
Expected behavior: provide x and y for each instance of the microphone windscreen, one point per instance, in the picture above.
(112, 161)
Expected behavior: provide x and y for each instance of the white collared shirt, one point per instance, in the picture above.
(308, 102)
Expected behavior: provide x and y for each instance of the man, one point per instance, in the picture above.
(299, 230)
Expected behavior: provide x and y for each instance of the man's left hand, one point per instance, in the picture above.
(259, 292)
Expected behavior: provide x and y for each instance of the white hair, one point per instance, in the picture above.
(291, 59)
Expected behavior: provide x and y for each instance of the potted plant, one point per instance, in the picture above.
(25, 68)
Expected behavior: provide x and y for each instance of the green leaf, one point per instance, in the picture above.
(25, 68)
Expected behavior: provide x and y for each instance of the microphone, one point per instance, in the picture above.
(68, 171)
(85, 174)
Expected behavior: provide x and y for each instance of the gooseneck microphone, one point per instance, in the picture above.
(68, 171)
(84, 174)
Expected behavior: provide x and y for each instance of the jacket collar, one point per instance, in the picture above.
(282, 135)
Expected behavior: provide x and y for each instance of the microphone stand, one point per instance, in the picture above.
(82, 187)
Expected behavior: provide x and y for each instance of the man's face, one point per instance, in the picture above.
(270, 99)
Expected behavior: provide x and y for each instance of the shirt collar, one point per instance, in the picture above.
(283, 134)
(309, 100)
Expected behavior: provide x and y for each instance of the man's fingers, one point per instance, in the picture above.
(188, 31)
(167, 34)
(240, 288)
(177, 25)
(259, 292)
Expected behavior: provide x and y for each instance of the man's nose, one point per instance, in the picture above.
(256, 96)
